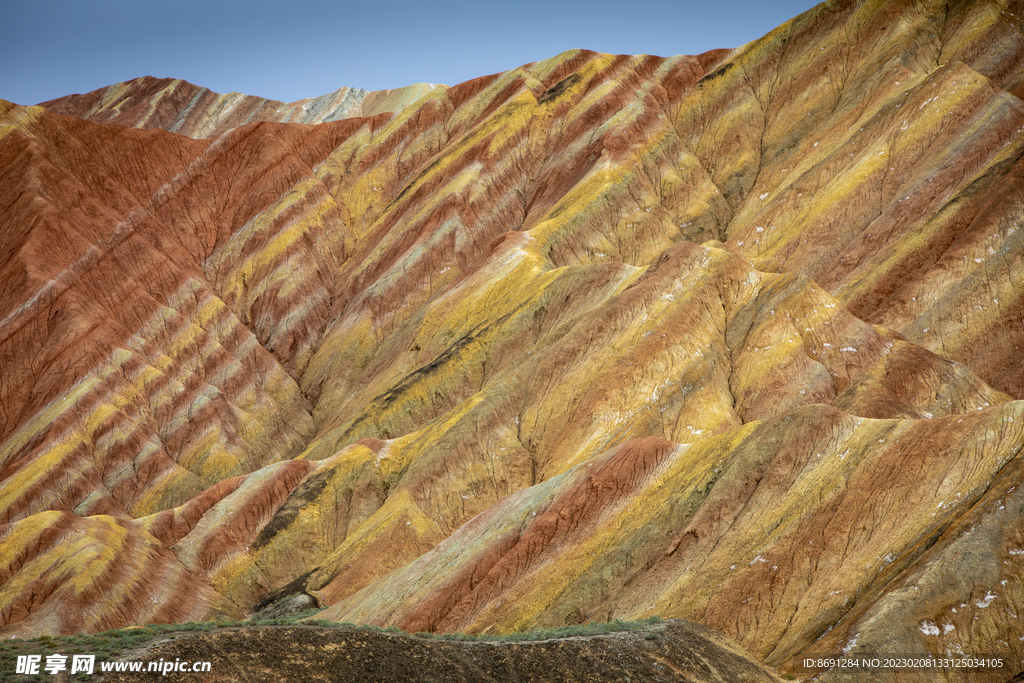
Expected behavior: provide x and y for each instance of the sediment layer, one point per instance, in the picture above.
(734, 338)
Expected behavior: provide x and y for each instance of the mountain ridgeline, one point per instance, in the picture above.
(736, 338)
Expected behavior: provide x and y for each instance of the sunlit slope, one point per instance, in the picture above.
(876, 147)
(181, 107)
(775, 533)
(731, 337)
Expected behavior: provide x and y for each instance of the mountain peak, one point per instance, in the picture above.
(734, 338)
(181, 107)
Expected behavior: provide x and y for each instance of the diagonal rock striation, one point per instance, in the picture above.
(181, 107)
(733, 337)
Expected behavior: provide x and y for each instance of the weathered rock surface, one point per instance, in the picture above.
(672, 651)
(734, 337)
(181, 107)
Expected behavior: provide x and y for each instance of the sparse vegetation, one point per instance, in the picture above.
(591, 629)
(109, 645)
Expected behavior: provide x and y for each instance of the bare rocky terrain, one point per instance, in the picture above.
(734, 338)
(671, 651)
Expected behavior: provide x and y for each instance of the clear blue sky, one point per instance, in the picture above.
(287, 51)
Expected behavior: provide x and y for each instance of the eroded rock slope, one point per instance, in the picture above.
(671, 651)
(181, 107)
(734, 337)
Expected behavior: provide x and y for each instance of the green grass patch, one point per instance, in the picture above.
(594, 628)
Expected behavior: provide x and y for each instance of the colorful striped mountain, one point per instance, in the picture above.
(735, 337)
